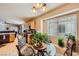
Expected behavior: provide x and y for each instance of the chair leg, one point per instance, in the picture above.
(19, 53)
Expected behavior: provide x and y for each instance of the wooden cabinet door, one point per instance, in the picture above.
(1, 39)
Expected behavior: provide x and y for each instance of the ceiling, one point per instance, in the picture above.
(22, 9)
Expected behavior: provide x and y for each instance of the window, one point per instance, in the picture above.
(61, 25)
(61, 28)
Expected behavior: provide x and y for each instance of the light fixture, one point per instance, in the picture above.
(44, 9)
(37, 6)
(33, 9)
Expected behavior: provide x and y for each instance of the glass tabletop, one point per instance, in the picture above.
(51, 49)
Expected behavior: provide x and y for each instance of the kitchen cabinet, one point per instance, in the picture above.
(7, 36)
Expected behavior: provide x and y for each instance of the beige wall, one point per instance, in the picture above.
(32, 24)
(77, 25)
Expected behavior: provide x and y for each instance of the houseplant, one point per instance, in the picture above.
(38, 38)
(72, 38)
(37, 41)
(60, 41)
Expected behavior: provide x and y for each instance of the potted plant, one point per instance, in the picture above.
(72, 37)
(37, 39)
(60, 41)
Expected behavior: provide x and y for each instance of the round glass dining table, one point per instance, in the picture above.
(51, 49)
